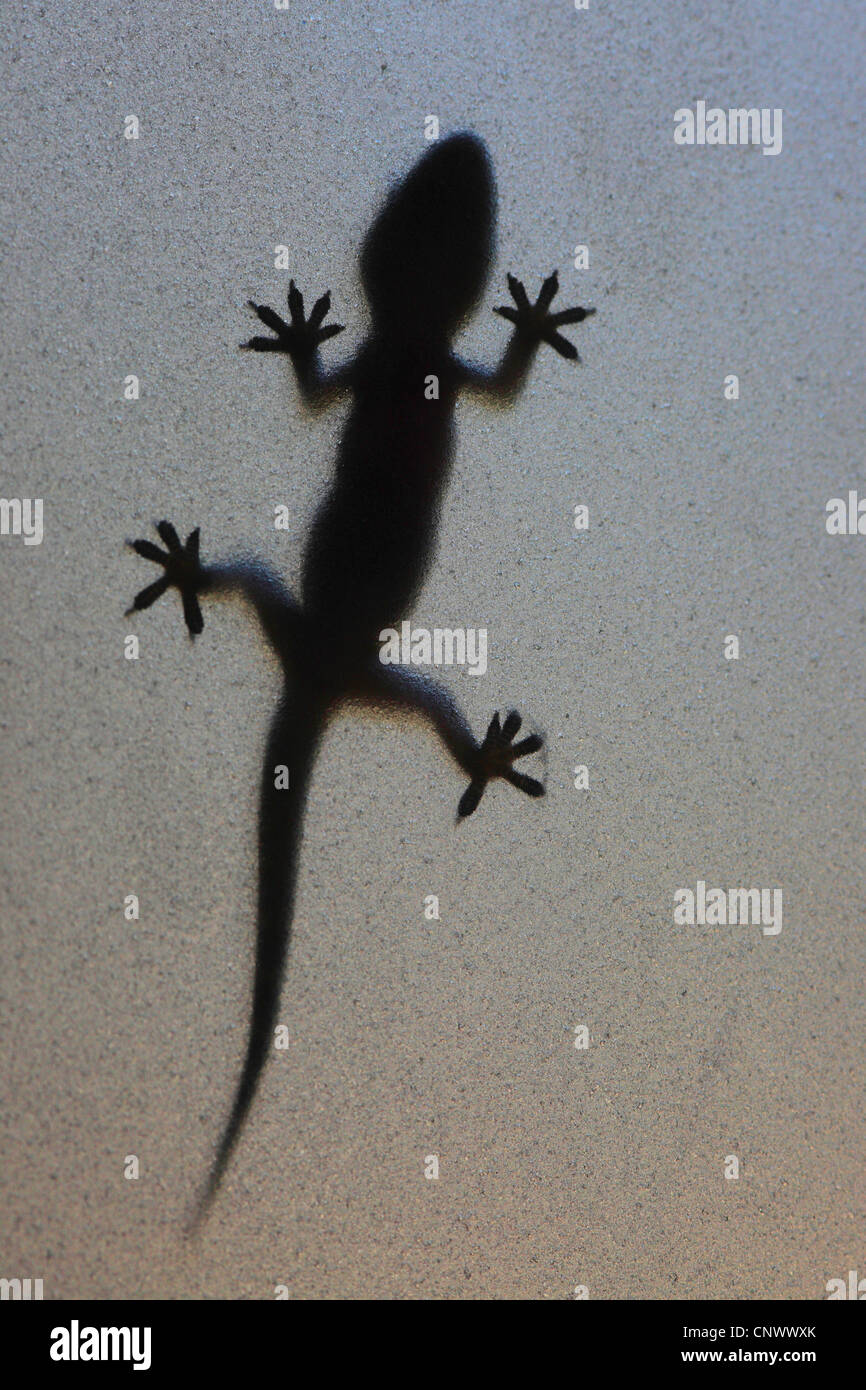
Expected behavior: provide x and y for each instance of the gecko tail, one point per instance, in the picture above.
(289, 757)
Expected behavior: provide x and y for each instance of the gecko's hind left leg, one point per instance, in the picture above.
(495, 756)
(278, 610)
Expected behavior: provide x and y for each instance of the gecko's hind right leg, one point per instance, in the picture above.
(398, 687)
(497, 756)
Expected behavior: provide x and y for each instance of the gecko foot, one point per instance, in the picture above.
(183, 571)
(535, 322)
(302, 336)
(496, 757)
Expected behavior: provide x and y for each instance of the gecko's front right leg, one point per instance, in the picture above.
(534, 323)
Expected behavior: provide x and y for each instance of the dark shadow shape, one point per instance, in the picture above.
(424, 265)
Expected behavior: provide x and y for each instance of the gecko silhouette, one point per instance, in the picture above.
(424, 264)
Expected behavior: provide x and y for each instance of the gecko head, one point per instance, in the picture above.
(426, 258)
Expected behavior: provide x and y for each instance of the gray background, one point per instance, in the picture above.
(558, 1167)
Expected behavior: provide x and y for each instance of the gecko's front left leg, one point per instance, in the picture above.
(301, 339)
(494, 757)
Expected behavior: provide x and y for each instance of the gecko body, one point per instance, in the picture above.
(424, 264)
